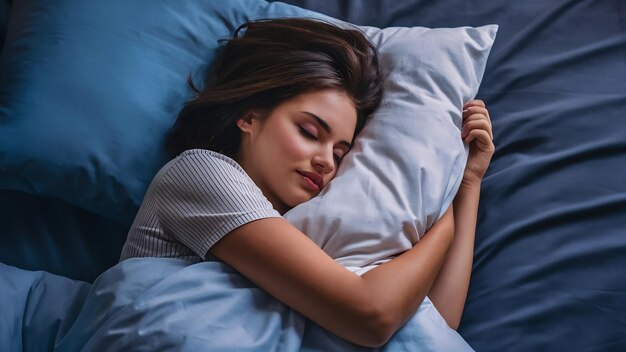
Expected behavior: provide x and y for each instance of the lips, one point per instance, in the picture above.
(315, 177)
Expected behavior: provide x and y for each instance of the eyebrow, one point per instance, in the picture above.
(326, 127)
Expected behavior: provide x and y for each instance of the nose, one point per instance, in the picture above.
(324, 161)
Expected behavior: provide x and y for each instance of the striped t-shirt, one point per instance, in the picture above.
(193, 201)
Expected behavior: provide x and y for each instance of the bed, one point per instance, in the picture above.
(550, 242)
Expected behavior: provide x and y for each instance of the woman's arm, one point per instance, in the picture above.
(449, 291)
(365, 310)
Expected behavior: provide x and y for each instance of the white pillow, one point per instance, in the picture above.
(406, 165)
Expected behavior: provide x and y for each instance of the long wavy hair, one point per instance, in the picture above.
(273, 61)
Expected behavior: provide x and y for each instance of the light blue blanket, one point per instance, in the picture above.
(154, 304)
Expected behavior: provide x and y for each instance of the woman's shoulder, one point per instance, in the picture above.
(203, 169)
(209, 180)
(203, 161)
(206, 157)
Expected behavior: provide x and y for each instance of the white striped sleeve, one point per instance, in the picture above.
(203, 196)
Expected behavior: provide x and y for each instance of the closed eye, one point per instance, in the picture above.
(340, 154)
(307, 134)
(312, 137)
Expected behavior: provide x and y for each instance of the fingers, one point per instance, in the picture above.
(476, 123)
(482, 138)
(476, 112)
(476, 118)
(475, 102)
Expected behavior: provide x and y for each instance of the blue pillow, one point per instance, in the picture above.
(88, 90)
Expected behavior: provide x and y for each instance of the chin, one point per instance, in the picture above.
(298, 199)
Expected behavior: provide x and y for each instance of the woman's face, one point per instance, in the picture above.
(295, 151)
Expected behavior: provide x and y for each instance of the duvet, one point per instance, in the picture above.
(149, 304)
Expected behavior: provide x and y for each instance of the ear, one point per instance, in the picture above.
(245, 123)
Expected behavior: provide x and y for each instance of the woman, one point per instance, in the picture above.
(268, 133)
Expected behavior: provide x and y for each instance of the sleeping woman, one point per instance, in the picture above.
(268, 132)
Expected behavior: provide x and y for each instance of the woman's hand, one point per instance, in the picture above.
(478, 134)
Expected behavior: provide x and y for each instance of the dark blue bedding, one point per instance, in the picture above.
(551, 238)
(48, 234)
(551, 241)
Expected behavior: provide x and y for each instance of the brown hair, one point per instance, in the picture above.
(273, 61)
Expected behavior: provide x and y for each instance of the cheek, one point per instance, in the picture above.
(291, 145)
